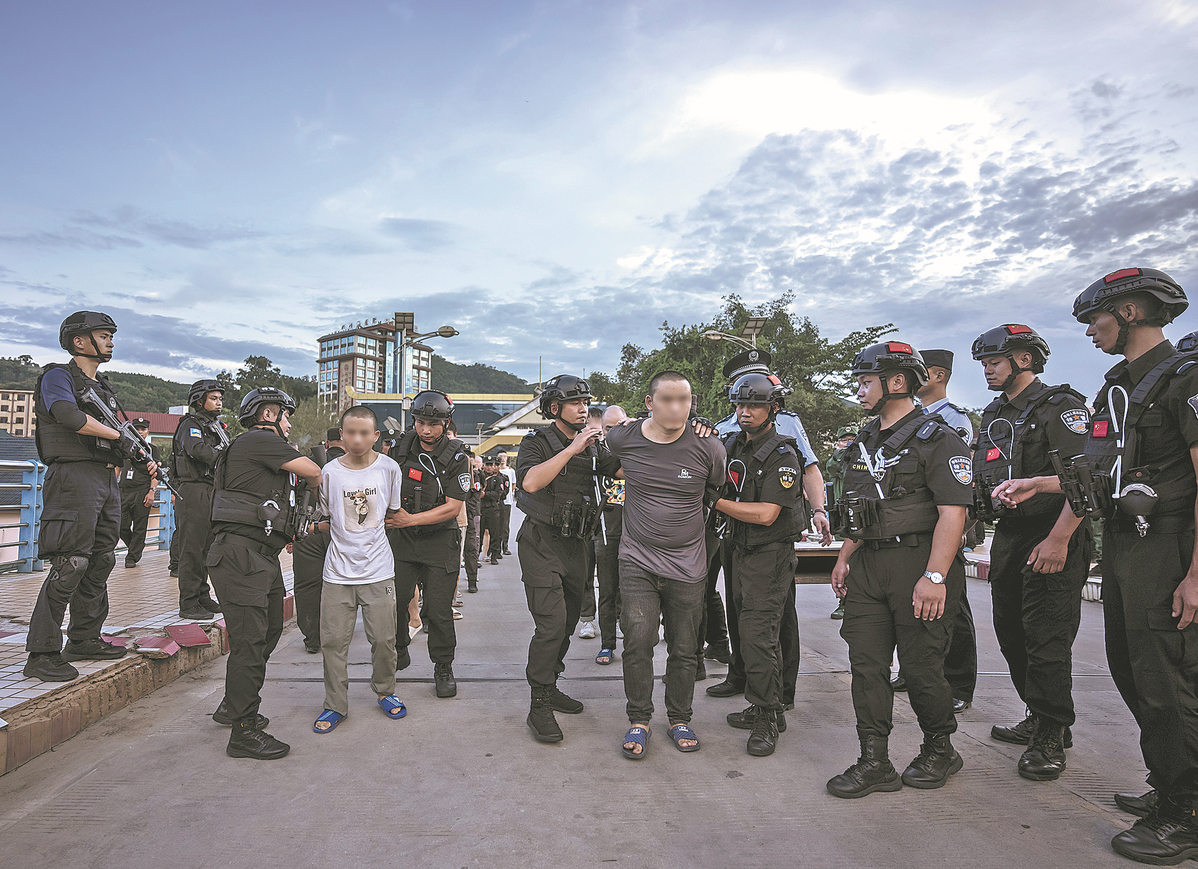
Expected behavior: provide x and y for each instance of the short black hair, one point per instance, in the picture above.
(667, 376)
(595, 411)
(359, 411)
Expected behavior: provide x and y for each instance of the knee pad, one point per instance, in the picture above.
(67, 571)
(103, 563)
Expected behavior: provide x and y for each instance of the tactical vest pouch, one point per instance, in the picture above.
(878, 519)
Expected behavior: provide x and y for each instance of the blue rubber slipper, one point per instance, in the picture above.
(334, 718)
(393, 706)
(605, 653)
(683, 731)
(639, 735)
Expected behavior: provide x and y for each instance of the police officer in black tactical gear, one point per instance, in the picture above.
(257, 508)
(307, 561)
(766, 513)
(137, 487)
(907, 491)
(424, 532)
(199, 439)
(559, 470)
(1138, 475)
(494, 491)
(1040, 556)
(81, 501)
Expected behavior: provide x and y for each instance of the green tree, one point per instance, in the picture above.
(816, 367)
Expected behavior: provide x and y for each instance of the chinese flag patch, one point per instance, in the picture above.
(993, 454)
(735, 475)
(415, 474)
(1100, 428)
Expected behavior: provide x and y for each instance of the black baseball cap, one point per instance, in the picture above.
(938, 359)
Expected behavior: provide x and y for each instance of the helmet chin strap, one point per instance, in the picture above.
(755, 430)
(103, 357)
(573, 426)
(876, 410)
(1124, 330)
(1015, 372)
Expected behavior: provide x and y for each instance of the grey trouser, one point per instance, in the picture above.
(338, 616)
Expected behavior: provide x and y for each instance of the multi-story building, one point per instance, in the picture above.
(16, 412)
(363, 357)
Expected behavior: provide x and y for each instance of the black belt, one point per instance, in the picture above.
(249, 543)
(1172, 523)
(915, 538)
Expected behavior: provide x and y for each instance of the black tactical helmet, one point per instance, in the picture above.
(563, 388)
(200, 389)
(431, 404)
(247, 415)
(1007, 340)
(1188, 343)
(889, 357)
(1101, 295)
(757, 388)
(81, 323)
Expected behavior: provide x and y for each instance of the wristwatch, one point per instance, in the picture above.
(937, 578)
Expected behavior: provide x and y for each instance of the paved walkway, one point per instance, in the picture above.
(461, 782)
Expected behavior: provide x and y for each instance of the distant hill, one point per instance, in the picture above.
(136, 391)
(451, 377)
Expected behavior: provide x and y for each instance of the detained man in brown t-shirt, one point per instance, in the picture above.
(669, 471)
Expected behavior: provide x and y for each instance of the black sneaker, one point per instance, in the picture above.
(744, 719)
(49, 667)
(221, 716)
(210, 605)
(560, 702)
(197, 615)
(312, 647)
(403, 659)
(92, 650)
(718, 653)
(130, 563)
(727, 688)
(447, 686)
(246, 740)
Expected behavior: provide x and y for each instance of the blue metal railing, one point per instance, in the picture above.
(33, 478)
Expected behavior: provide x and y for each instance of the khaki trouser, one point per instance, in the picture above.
(338, 616)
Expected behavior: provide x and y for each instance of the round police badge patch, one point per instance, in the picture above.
(962, 469)
(787, 477)
(1077, 420)
(464, 482)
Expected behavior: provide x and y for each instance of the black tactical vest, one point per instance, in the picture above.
(894, 511)
(792, 521)
(421, 489)
(568, 504)
(57, 443)
(999, 455)
(1115, 436)
(267, 509)
(183, 466)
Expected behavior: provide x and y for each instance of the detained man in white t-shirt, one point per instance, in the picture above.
(357, 491)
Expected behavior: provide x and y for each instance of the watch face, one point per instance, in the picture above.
(935, 577)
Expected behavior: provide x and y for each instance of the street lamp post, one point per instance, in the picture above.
(747, 337)
(406, 336)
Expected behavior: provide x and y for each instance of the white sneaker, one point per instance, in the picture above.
(619, 633)
(587, 631)
(413, 631)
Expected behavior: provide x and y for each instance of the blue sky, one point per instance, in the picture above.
(557, 178)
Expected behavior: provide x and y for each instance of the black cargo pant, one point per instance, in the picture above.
(437, 579)
(714, 628)
(307, 563)
(761, 580)
(505, 525)
(80, 516)
(607, 566)
(193, 517)
(492, 520)
(1037, 615)
(135, 518)
(553, 569)
(1154, 665)
(470, 551)
(788, 639)
(878, 616)
(588, 611)
(249, 587)
(961, 661)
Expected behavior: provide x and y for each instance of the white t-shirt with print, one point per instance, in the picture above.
(510, 497)
(356, 502)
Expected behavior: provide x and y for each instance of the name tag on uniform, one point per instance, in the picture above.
(129, 474)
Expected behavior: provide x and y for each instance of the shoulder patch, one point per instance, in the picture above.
(1078, 420)
(962, 469)
(464, 482)
(1193, 403)
(787, 476)
(195, 433)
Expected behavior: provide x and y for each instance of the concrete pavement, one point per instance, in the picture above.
(461, 782)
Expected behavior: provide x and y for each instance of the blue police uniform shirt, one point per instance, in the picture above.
(57, 386)
(953, 417)
(787, 423)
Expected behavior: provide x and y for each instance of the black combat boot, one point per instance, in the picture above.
(936, 761)
(744, 720)
(447, 686)
(873, 771)
(1165, 837)
(1139, 805)
(472, 587)
(1021, 733)
(560, 702)
(764, 737)
(728, 688)
(94, 649)
(540, 717)
(249, 740)
(1044, 759)
(49, 667)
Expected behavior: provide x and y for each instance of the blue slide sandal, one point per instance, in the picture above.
(334, 718)
(639, 735)
(605, 653)
(682, 731)
(393, 706)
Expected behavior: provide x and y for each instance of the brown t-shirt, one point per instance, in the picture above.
(663, 499)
